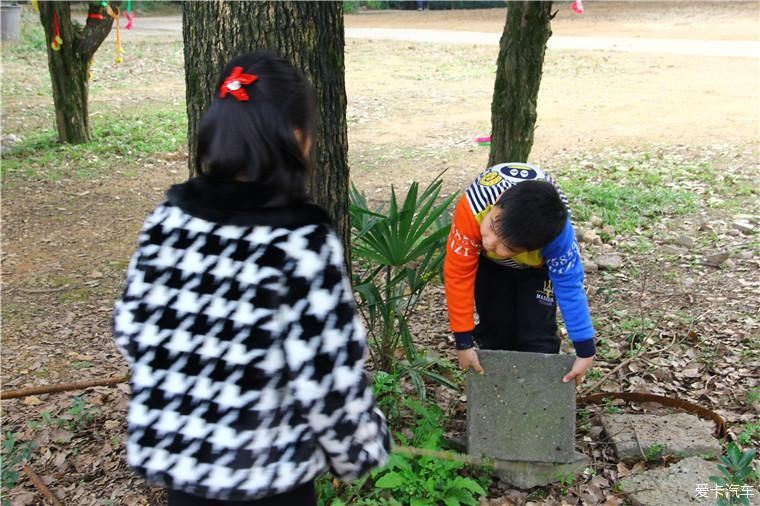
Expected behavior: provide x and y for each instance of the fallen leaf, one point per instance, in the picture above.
(61, 436)
(32, 400)
(23, 499)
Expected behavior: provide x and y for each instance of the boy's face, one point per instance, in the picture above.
(490, 240)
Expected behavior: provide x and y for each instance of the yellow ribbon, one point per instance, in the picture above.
(116, 17)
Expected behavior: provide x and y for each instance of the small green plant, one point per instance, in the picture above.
(753, 395)
(609, 407)
(399, 252)
(425, 480)
(80, 413)
(83, 364)
(584, 417)
(350, 6)
(406, 481)
(654, 452)
(55, 423)
(594, 374)
(388, 395)
(750, 432)
(736, 472)
(78, 416)
(12, 455)
(566, 481)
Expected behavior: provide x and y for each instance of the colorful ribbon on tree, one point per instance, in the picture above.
(129, 15)
(57, 40)
(116, 17)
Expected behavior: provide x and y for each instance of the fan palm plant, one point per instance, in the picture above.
(399, 253)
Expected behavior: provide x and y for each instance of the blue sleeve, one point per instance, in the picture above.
(565, 267)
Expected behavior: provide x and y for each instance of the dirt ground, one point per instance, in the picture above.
(413, 109)
(588, 100)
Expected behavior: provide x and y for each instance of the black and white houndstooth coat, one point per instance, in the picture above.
(247, 356)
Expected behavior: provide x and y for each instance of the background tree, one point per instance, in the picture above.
(69, 63)
(310, 34)
(518, 77)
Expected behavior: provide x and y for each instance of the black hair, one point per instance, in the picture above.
(254, 140)
(532, 215)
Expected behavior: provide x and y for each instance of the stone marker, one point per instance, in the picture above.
(521, 414)
(687, 482)
(680, 435)
(609, 262)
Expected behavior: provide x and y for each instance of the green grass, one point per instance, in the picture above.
(633, 191)
(31, 43)
(627, 207)
(118, 140)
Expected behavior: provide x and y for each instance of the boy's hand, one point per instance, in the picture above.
(468, 358)
(578, 370)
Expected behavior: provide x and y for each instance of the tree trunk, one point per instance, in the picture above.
(310, 34)
(69, 65)
(518, 77)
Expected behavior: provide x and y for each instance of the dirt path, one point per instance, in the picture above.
(622, 74)
(729, 48)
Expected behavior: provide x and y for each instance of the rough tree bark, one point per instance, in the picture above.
(310, 34)
(69, 65)
(518, 77)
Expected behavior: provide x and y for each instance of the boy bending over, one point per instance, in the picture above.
(512, 256)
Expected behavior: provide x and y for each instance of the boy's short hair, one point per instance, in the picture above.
(532, 215)
(254, 139)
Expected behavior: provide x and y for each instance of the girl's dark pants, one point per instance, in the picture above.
(303, 495)
(517, 309)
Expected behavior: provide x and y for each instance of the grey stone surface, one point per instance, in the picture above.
(536, 474)
(684, 240)
(744, 226)
(520, 410)
(680, 435)
(609, 262)
(676, 484)
(717, 259)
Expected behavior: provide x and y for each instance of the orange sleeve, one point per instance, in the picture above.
(460, 267)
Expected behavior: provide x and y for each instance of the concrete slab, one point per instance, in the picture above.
(537, 474)
(679, 435)
(687, 482)
(520, 410)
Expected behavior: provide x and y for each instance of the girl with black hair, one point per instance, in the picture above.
(237, 318)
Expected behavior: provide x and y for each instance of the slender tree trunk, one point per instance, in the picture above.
(518, 78)
(69, 64)
(310, 34)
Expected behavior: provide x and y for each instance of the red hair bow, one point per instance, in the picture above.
(234, 84)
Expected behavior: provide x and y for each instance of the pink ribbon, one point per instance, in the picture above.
(130, 19)
(577, 6)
